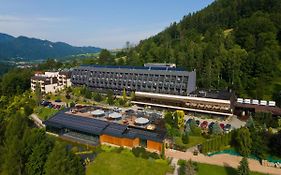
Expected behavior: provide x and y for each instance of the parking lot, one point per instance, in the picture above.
(231, 121)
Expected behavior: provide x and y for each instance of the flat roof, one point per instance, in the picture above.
(83, 124)
(182, 108)
(99, 127)
(260, 108)
(136, 67)
(181, 98)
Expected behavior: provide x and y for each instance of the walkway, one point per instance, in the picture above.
(37, 121)
(222, 160)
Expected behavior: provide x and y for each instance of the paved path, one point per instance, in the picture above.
(37, 121)
(222, 160)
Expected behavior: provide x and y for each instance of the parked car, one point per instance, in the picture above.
(188, 121)
(45, 103)
(197, 122)
(116, 109)
(204, 124)
(227, 127)
(211, 125)
(58, 100)
(222, 125)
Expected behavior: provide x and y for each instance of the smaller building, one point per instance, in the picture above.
(105, 131)
(50, 82)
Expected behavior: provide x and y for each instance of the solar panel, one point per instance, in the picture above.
(91, 126)
(98, 127)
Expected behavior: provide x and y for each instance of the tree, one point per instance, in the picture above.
(243, 168)
(106, 58)
(124, 94)
(110, 99)
(185, 138)
(250, 122)
(168, 117)
(36, 161)
(13, 146)
(187, 128)
(38, 94)
(195, 130)
(275, 144)
(132, 95)
(62, 161)
(97, 96)
(243, 141)
(190, 168)
(179, 114)
(259, 143)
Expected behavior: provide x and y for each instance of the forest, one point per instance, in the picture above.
(25, 149)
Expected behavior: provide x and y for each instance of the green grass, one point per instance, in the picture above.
(44, 112)
(204, 169)
(193, 140)
(125, 163)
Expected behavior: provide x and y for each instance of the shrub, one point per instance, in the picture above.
(97, 97)
(141, 152)
(185, 138)
(119, 150)
(138, 151)
(154, 155)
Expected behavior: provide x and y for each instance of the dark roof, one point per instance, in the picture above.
(98, 127)
(83, 124)
(115, 129)
(146, 135)
(66, 73)
(259, 108)
(135, 67)
(39, 78)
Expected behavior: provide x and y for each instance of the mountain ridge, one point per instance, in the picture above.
(28, 48)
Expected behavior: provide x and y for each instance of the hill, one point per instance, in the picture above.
(231, 44)
(32, 49)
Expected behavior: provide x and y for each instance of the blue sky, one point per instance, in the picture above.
(104, 23)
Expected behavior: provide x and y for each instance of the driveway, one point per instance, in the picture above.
(222, 160)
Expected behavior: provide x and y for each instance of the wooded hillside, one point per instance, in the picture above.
(231, 44)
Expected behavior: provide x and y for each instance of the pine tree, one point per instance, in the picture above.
(185, 138)
(243, 168)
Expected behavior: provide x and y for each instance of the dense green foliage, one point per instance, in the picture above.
(243, 168)
(24, 149)
(216, 143)
(14, 82)
(231, 44)
(187, 167)
(141, 152)
(61, 161)
(243, 141)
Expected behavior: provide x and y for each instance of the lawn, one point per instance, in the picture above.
(125, 163)
(204, 169)
(193, 140)
(44, 112)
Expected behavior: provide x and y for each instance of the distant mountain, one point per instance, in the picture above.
(34, 49)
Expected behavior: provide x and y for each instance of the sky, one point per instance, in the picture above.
(102, 23)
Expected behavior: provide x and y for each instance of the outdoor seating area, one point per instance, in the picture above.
(138, 118)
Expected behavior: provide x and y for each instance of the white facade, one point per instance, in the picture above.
(51, 82)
